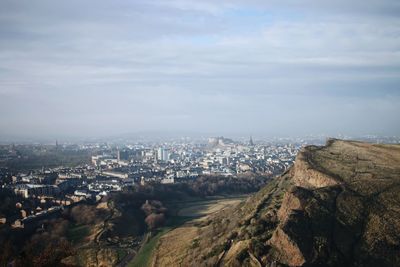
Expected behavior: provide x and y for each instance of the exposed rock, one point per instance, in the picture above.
(308, 177)
(339, 205)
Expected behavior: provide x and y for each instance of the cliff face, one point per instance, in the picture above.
(308, 177)
(339, 205)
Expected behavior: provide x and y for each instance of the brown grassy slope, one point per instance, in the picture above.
(175, 247)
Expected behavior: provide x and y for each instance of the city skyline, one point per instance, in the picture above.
(68, 70)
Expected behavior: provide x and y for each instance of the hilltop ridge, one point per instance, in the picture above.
(339, 205)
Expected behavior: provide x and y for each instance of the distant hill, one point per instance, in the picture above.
(339, 205)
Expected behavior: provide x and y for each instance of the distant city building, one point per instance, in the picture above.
(168, 180)
(29, 190)
(116, 168)
(83, 193)
(116, 174)
(251, 143)
(163, 154)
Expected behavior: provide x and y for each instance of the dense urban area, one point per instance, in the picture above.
(106, 168)
(111, 197)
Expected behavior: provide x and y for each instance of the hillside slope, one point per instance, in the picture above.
(339, 205)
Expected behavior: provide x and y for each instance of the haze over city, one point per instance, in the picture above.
(99, 68)
(163, 133)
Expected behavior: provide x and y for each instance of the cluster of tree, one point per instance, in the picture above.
(5, 176)
(218, 185)
(155, 214)
(49, 247)
(46, 247)
(28, 160)
(47, 243)
(201, 187)
(7, 202)
(87, 214)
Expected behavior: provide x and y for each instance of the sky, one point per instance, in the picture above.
(291, 68)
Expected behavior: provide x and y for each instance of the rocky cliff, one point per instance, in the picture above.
(339, 205)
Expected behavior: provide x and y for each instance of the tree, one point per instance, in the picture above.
(155, 220)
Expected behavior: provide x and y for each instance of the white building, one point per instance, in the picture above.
(163, 154)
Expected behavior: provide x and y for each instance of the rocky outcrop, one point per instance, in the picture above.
(339, 205)
(307, 176)
(325, 219)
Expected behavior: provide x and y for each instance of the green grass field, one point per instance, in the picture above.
(143, 258)
(77, 233)
(121, 254)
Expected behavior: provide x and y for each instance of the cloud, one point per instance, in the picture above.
(109, 67)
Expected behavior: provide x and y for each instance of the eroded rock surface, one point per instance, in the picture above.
(339, 205)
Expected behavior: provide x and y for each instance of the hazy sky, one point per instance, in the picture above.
(95, 68)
